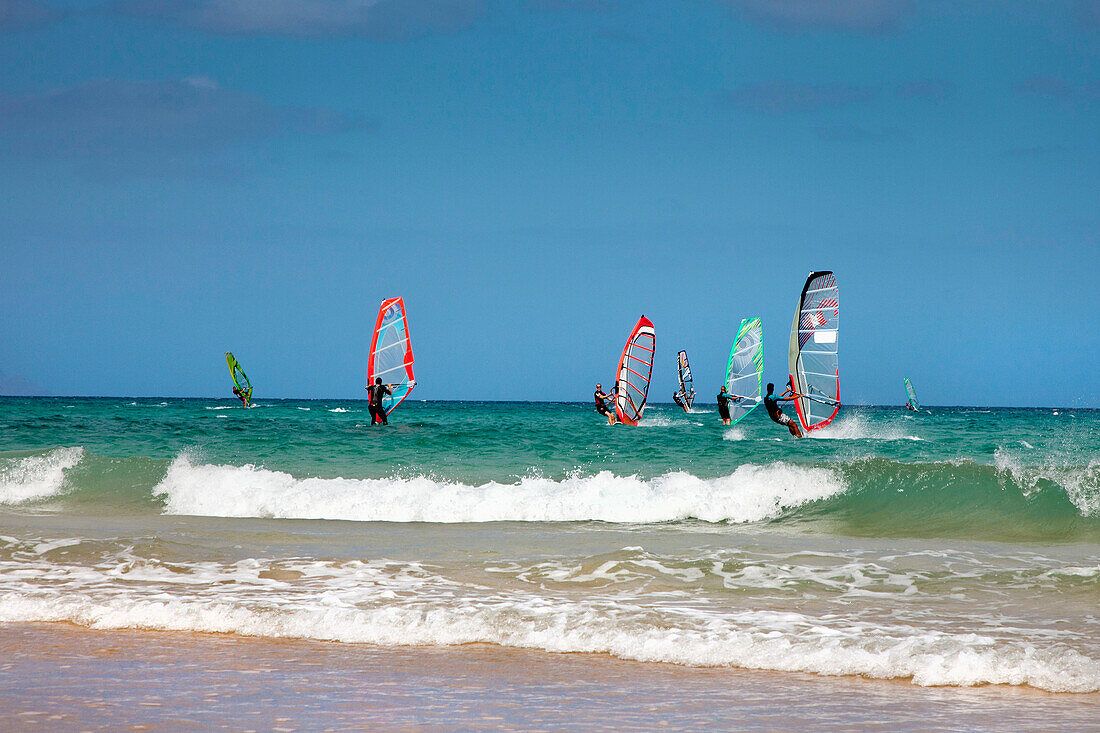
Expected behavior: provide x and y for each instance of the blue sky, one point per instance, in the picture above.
(183, 177)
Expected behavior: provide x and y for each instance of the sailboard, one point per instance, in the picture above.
(912, 394)
(683, 371)
(391, 355)
(812, 355)
(744, 370)
(240, 379)
(635, 371)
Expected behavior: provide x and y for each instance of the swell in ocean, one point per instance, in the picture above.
(863, 496)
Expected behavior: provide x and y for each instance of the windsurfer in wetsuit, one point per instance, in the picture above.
(771, 405)
(678, 398)
(377, 392)
(601, 406)
(241, 395)
(724, 398)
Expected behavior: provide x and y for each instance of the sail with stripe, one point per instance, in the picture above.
(812, 355)
(635, 371)
(683, 372)
(391, 355)
(912, 393)
(745, 368)
(240, 379)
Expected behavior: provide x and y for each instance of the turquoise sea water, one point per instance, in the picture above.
(959, 546)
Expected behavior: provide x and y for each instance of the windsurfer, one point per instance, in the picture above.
(771, 405)
(241, 395)
(378, 392)
(724, 398)
(678, 398)
(601, 406)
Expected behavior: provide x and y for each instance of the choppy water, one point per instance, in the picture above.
(960, 547)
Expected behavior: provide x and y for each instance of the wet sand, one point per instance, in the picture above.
(65, 677)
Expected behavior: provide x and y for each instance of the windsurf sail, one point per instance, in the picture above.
(635, 371)
(240, 379)
(687, 387)
(391, 356)
(812, 356)
(745, 367)
(913, 401)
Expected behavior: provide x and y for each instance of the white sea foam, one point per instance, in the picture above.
(1081, 483)
(394, 604)
(36, 477)
(751, 493)
(222, 407)
(854, 427)
(339, 409)
(657, 421)
(733, 434)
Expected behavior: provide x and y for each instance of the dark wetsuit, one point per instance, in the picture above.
(377, 411)
(771, 404)
(724, 405)
(601, 406)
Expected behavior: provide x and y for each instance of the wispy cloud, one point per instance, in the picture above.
(1088, 13)
(858, 134)
(1046, 86)
(376, 19)
(144, 123)
(934, 89)
(19, 14)
(853, 16)
(782, 97)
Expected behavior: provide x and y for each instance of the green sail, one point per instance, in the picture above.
(912, 394)
(240, 379)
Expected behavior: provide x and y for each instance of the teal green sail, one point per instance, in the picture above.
(744, 369)
(240, 379)
(913, 403)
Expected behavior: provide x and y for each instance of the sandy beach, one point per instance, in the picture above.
(63, 677)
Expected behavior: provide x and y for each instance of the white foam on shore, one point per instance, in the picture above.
(751, 493)
(374, 613)
(36, 477)
(409, 603)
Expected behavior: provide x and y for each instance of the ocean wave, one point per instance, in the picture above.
(33, 477)
(751, 493)
(1081, 483)
(396, 605)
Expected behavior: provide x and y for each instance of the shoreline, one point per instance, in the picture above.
(60, 676)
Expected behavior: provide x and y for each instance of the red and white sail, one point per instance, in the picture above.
(391, 355)
(635, 371)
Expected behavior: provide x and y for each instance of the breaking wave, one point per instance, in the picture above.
(27, 478)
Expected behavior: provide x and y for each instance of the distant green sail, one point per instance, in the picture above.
(240, 379)
(912, 394)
